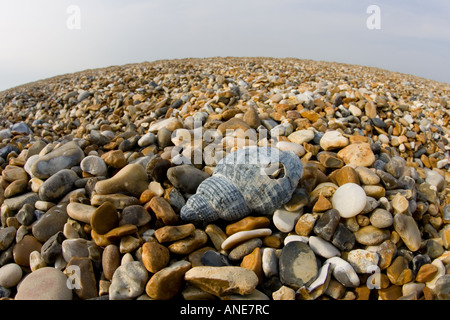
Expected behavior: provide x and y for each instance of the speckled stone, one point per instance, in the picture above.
(128, 281)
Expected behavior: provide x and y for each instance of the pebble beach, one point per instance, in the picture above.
(99, 167)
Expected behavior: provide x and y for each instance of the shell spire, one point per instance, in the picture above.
(254, 180)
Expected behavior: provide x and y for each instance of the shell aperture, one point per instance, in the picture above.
(255, 180)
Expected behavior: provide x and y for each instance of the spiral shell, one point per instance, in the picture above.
(255, 180)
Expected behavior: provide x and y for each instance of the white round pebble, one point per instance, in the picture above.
(179, 159)
(10, 275)
(349, 199)
(127, 257)
(70, 232)
(31, 160)
(412, 287)
(285, 220)
(355, 110)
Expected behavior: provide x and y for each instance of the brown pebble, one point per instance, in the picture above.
(146, 196)
(197, 239)
(362, 293)
(251, 118)
(110, 260)
(16, 187)
(23, 249)
(12, 173)
(154, 256)
(99, 239)
(330, 160)
(86, 287)
(216, 235)
(163, 211)
(119, 232)
(253, 261)
(305, 224)
(272, 241)
(104, 218)
(233, 124)
(129, 244)
(428, 293)
(174, 233)
(426, 273)
(358, 154)
(322, 204)
(346, 175)
(167, 282)
(398, 272)
(391, 293)
(115, 159)
(247, 223)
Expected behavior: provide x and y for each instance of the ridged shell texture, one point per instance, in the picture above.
(255, 180)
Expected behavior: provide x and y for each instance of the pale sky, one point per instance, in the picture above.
(36, 42)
